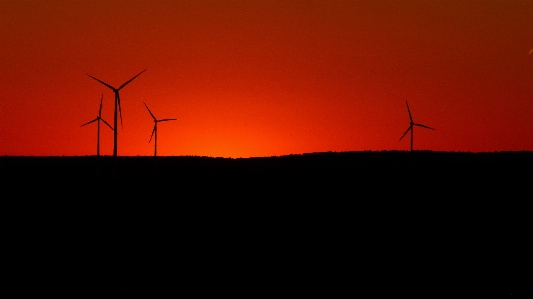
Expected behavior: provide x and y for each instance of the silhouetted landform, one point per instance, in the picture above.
(389, 224)
(317, 165)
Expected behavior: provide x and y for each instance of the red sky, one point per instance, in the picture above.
(266, 78)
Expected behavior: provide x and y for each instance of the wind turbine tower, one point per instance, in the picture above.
(154, 131)
(411, 126)
(117, 108)
(98, 118)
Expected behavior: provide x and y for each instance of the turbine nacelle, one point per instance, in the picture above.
(99, 116)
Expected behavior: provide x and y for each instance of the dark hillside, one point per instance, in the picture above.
(437, 174)
(355, 224)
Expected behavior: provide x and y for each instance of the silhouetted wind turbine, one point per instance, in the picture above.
(117, 105)
(154, 131)
(98, 118)
(411, 126)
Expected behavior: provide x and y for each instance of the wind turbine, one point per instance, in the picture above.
(117, 105)
(411, 126)
(154, 131)
(98, 118)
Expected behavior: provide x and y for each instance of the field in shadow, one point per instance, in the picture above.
(354, 224)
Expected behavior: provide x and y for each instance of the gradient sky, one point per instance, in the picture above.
(266, 78)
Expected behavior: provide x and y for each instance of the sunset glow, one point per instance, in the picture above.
(266, 78)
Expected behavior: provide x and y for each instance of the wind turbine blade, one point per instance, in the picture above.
(105, 122)
(130, 80)
(406, 132)
(120, 110)
(89, 122)
(420, 125)
(101, 82)
(409, 110)
(167, 119)
(152, 135)
(100, 111)
(150, 111)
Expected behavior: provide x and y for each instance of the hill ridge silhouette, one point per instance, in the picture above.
(385, 224)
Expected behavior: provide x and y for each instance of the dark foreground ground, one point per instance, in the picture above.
(322, 225)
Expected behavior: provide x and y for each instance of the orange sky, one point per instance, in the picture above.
(266, 78)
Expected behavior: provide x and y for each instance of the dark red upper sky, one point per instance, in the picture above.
(266, 78)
